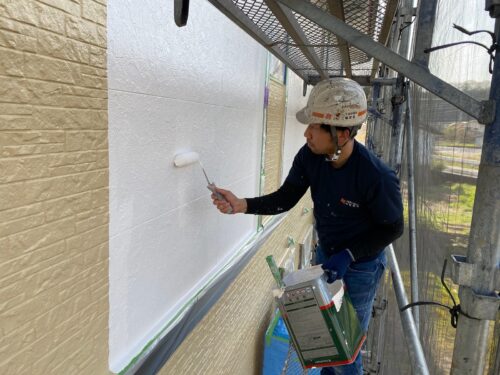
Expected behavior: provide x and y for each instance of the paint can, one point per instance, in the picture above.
(320, 319)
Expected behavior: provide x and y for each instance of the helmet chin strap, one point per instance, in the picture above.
(336, 155)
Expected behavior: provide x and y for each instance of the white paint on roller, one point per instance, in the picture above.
(186, 158)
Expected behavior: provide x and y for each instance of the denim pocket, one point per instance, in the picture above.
(362, 281)
(370, 268)
(364, 277)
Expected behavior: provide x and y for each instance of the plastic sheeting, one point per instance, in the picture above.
(152, 359)
(447, 151)
(279, 355)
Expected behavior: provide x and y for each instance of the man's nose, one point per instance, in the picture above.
(306, 132)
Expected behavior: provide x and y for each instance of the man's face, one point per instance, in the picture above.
(319, 140)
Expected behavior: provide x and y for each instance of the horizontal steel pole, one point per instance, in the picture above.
(482, 111)
(385, 81)
(419, 364)
(362, 80)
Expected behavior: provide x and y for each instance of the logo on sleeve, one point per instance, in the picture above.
(349, 203)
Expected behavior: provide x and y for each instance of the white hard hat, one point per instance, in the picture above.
(337, 102)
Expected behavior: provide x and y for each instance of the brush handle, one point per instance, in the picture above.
(219, 196)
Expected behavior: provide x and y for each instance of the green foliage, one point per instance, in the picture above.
(450, 207)
(460, 133)
(437, 166)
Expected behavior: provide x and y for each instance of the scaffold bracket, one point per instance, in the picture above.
(462, 272)
(487, 115)
(478, 305)
(408, 13)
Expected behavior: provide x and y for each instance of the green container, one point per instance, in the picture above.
(320, 318)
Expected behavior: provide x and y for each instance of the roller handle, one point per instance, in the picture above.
(219, 196)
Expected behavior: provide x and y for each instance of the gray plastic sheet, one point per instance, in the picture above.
(163, 350)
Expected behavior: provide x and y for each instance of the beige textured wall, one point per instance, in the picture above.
(229, 339)
(53, 187)
(275, 119)
(54, 209)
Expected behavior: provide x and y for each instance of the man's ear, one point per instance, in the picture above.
(346, 133)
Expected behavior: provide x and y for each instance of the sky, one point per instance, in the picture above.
(464, 62)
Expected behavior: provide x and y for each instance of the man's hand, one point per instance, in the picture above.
(336, 266)
(238, 205)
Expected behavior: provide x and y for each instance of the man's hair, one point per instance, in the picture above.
(352, 130)
(326, 128)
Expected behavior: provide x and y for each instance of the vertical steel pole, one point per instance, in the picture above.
(417, 358)
(495, 358)
(470, 351)
(396, 148)
(412, 218)
(403, 34)
(426, 16)
(370, 132)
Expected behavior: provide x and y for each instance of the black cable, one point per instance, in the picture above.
(454, 311)
(408, 24)
(465, 31)
(491, 50)
(432, 49)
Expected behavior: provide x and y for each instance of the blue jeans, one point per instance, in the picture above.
(362, 281)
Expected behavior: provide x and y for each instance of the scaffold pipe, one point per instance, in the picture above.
(412, 208)
(478, 293)
(417, 358)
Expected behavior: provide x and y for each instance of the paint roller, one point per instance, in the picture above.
(186, 158)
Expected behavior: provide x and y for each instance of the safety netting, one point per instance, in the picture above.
(447, 152)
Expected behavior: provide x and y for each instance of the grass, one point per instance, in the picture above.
(458, 145)
(454, 155)
(451, 207)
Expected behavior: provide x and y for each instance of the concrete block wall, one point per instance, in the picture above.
(53, 187)
(230, 338)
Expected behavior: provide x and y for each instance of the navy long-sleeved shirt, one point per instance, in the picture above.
(357, 206)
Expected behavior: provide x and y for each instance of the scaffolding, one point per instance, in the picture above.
(442, 139)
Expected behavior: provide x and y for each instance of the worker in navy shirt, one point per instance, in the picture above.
(357, 201)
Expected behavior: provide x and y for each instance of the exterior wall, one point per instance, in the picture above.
(275, 120)
(230, 338)
(53, 187)
(54, 180)
(199, 88)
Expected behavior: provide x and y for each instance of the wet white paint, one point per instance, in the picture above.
(171, 90)
(199, 88)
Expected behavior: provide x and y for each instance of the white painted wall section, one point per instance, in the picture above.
(198, 88)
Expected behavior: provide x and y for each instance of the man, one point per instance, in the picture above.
(357, 201)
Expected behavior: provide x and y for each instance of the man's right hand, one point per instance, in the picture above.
(336, 266)
(238, 205)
